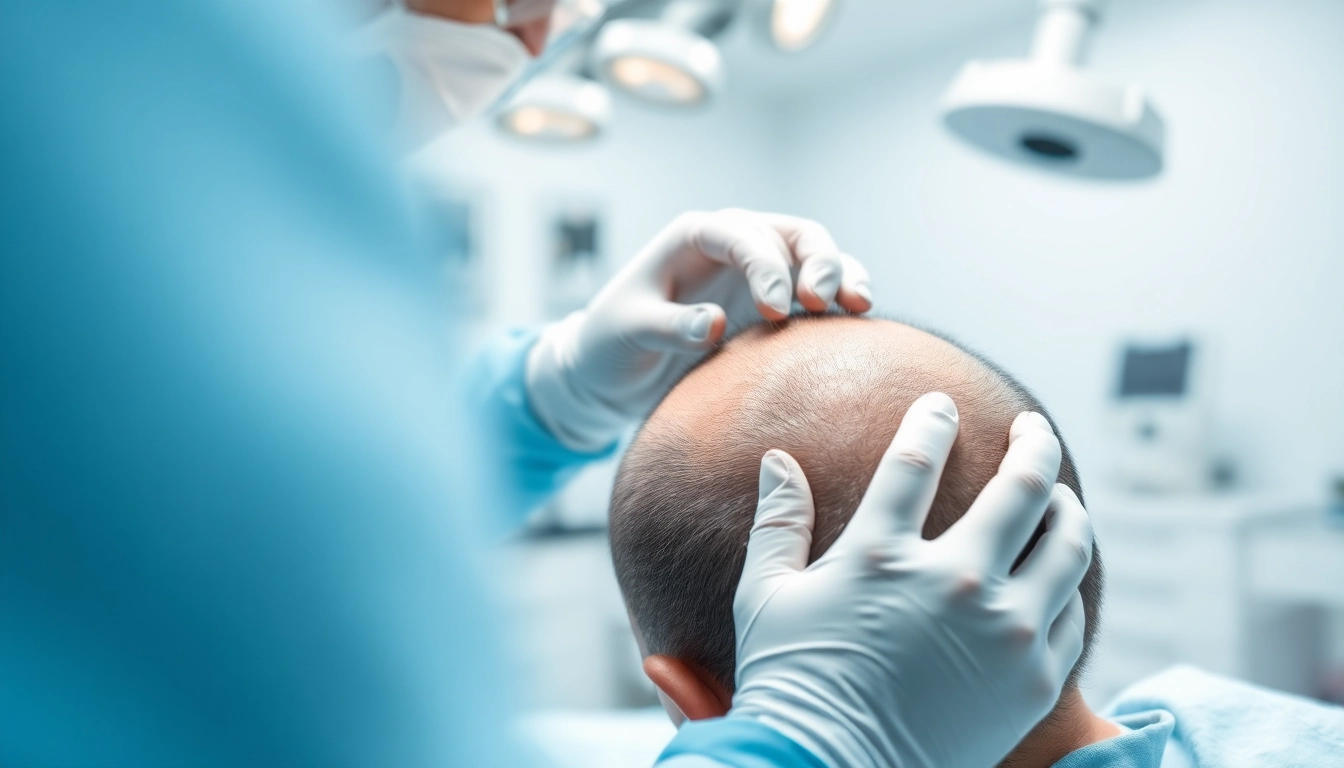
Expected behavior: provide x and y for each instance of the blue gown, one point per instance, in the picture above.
(1187, 718)
(236, 522)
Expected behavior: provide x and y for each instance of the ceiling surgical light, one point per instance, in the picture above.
(557, 107)
(1048, 112)
(793, 25)
(658, 62)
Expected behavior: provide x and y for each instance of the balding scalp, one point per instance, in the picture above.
(830, 391)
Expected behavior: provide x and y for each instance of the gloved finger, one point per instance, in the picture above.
(733, 238)
(855, 293)
(1003, 517)
(906, 480)
(826, 273)
(819, 281)
(781, 536)
(667, 326)
(1066, 637)
(1056, 565)
(814, 250)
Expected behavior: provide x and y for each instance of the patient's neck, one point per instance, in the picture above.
(1071, 726)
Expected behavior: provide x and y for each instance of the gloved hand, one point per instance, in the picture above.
(892, 650)
(602, 368)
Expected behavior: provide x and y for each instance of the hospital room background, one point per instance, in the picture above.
(1186, 328)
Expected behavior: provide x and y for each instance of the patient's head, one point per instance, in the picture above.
(830, 391)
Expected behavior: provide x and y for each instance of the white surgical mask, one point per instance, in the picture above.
(450, 72)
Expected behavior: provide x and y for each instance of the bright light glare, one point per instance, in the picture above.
(592, 98)
(703, 56)
(539, 123)
(590, 8)
(795, 24)
(656, 80)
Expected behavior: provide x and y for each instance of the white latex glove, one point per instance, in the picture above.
(596, 372)
(895, 651)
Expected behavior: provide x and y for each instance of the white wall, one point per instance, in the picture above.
(653, 165)
(1242, 238)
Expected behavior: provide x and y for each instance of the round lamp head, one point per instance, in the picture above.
(657, 62)
(1056, 118)
(557, 107)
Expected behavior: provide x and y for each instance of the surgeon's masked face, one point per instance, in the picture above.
(450, 72)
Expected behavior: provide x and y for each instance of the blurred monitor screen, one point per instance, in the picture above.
(1155, 370)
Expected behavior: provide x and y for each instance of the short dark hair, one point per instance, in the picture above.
(685, 494)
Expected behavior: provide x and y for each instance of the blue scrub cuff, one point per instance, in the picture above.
(739, 743)
(534, 464)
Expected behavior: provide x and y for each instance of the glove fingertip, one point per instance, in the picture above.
(718, 325)
(697, 327)
(858, 299)
(774, 298)
(775, 472)
(812, 299)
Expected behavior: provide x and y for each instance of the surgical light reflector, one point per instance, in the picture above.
(558, 107)
(652, 80)
(658, 62)
(1048, 112)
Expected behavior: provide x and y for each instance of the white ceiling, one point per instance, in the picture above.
(866, 33)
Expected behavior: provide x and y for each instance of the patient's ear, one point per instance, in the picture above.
(690, 689)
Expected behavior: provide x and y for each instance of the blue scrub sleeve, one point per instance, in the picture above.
(529, 461)
(734, 743)
(234, 528)
(234, 523)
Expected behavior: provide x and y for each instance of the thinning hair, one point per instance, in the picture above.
(830, 391)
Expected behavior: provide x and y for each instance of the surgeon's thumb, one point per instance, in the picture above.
(672, 327)
(781, 536)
